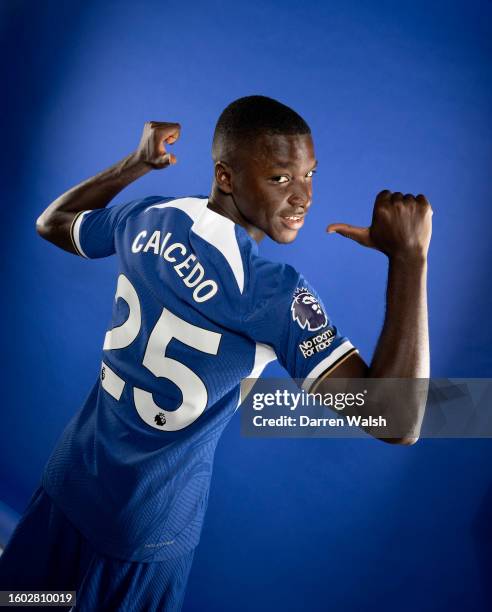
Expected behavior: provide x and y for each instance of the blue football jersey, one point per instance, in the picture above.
(196, 310)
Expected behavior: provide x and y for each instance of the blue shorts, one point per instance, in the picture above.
(46, 552)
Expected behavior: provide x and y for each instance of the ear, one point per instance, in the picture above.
(223, 176)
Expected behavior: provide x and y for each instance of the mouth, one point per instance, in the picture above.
(293, 222)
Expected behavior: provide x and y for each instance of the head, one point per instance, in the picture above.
(264, 163)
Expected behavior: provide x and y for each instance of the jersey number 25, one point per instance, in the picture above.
(168, 326)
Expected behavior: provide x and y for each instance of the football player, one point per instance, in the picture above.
(121, 504)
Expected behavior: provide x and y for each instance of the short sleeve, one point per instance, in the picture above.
(286, 313)
(93, 231)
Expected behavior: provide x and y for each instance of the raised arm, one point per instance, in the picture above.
(98, 191)
(401, 229)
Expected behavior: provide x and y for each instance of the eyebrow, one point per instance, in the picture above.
(285, 164)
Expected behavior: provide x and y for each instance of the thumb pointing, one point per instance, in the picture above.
(359, 234)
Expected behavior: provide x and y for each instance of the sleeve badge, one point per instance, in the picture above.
(307, 311)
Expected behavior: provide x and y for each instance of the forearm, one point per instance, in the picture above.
(55, 223)
(403, 347)
(99, 190)
(401, 228)
(402, 352)
(95, 192)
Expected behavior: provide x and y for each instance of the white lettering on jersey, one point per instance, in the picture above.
(153, 243)
(212, 291)
(184, 264)
(191, 280)
(173, 247)
(137, 245)
(203, 290)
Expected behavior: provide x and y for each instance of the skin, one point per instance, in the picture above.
(258, 185)
(266, 182)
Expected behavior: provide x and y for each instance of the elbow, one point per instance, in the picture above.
(41, 227)
(404, 441)
(408, 440)
(44, 226)
(45, 231)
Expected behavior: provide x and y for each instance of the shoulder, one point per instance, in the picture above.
(273, 275)
(271, 284)
(139, 205)
(148, 213)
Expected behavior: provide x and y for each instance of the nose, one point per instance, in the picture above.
(300, 196)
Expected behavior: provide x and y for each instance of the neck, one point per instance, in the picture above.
(224, 204)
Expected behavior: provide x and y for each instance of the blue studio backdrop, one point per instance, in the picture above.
(398, 96)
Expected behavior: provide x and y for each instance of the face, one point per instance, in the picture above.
(271, 183)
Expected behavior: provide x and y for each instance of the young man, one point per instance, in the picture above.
(123, 496)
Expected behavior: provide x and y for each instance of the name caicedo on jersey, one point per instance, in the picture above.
(203, 290)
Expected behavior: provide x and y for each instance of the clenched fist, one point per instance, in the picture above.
(152, 150)
(401, 226)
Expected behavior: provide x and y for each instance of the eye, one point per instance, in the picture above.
(280, 179)
(311, 173)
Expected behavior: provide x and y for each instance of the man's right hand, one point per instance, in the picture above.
(152, 150)
(401, 226)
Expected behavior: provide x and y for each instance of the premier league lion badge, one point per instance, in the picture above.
(307, 311)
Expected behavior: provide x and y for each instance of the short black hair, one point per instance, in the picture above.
(247, 117)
